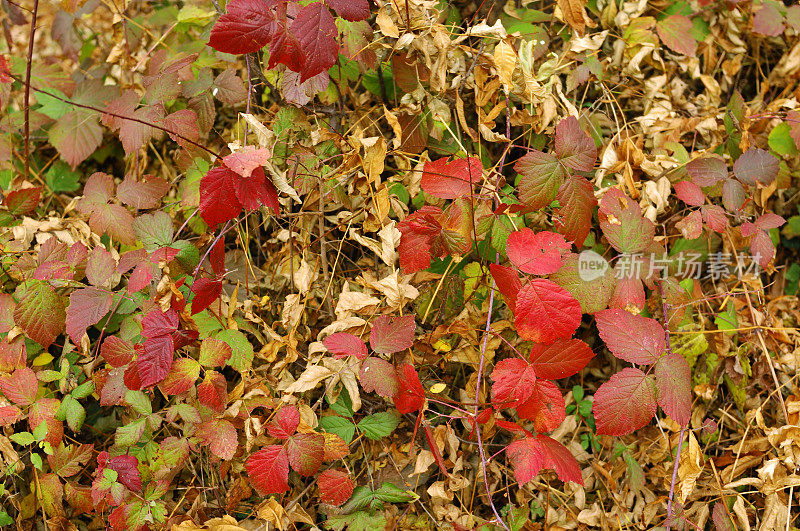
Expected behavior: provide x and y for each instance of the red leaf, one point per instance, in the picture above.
(560, 359)
(314, 27)
(762, 248)
(140, 277)
(213, 391)
(769, 221)
(508, 282)
(157, 323)
(182, 127)
(214, 352)
(45, 410)
(514, 383)
(451, 180)
(707, 171)
(625, 403)
(223, 194)
(545, 407)
(206, 291)
(380, 376)
(23, 201)
(715, 218)
(286, 422)
(268, 470)
(538, 253)
(245, 28)
(542, 175)
(674, 383)
(574, 216)
(352, 10)
(527, 458)
(545, 312)
(285, 49)
(574, 147)
(342, 344)
(392, 334)
(430, 233)
(126, 466)
(410, 396)
(560, 459)
(220, 436)
(306, 452)
(335, 447)
(628, 295)
(689, 193)
(86, 307)
(631, 337)
(181, 376)
(20, 387)
(335, 487)
(676, 32)
(756, 165)
(217, 258)
(155, 360)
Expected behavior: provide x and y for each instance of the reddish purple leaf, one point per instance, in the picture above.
(756, 165)
(246, 27)
(762, 248)
(220, 436)
(631, 337)
(733, 195)
(154, 360)
(206, 291)
(715, 218)
(769, 221)
(392, 334)
(157, 323)
(674, 383)
(246, 160)
(560, 359)
(545, 312)
(540, 253)
(451, 180)
(628, 295)
(145, 193)
(23, 201)
(352, 10)
(212, 392)
(707, 171)
(342, 344)
(767, 20)
(315, 29)
(625, 403)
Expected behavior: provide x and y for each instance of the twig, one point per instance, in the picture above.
(28, 68)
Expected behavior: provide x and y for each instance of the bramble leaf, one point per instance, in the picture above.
(268, 470)
(560, 359)
(631, 337)
(380, 376)
(285, 423)
(676, 32)
(20, 387)
(707, 171)
(342, 344)
(508, 282)
(545, 407)
(538, 253)
(689, 193)
(574, 147)
(214, 352)
(767, 20)
(756, 166)
(574, 217)
(451, 180)
(542, 175)
(86, 307)
(335, 487)
(514, 381)
(315, 29)
(674, 381)
(410, 395)
(306, 452)
(625, 403)
(41, 313)
(392, 334)
(545, 312)
(623, 224)
(246, 27)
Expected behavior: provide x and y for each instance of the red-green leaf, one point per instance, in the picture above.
(545, 312)
(541, 177)
(67, 461)
(116, 351)
(20, 387)
(574, 217)
(315, 29)
(246, 27)
(625, 403)
(623, 224)
(756, 165)
(674, 383)
(86, 307)
(514, 381)
(23, 201)
(560, 359)
(631, 337)
(214, 352)
(181, 376)
(715, 218)
(335, 487)
(596, 291)
(392, 334)
(676, 32)
(268, 470)
(545, 407)
(574, 147)
(212, 392)
(220, 436)
(342, 345)
(762, 248)
(306, 452)
(145, 193)
(691, 226)
(41, 313)
(352, 10)
(246, 160)
(451, 180)
(380, 376)
(410, 396)
(538, 253)
(285, 423)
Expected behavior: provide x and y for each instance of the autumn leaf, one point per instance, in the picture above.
(342, 344)
(285, 423)
(41, 313)
(673, 381)
(451, 180)
(631, 337)
(410, 396)
(514, 381)
(538, 253)
(676, 32)
(545, 407)
(575, 149)
(335, 487)
(541, 177)
(626, 402)
(392, 334)
(560, 359)
(246, 27)
(380, 376)
(545, 312)
(268, 470)
(306, 452)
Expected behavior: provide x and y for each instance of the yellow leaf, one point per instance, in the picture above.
(505, 58)
(438, 388)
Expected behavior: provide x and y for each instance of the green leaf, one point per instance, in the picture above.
(727, 319)
(130, 434)
(40, 431)
(60, 178)
(379, 425)
(342, 427)
(5, 519)
(388, 492)
(52, 107)
(23, 438)
(83, 390)
(139, 402)
(781, 141)
(36, 461)
(343, 405)
(358, 521)
(74, 413)
(242, 351)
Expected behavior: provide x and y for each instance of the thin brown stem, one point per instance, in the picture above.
(28, 67)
